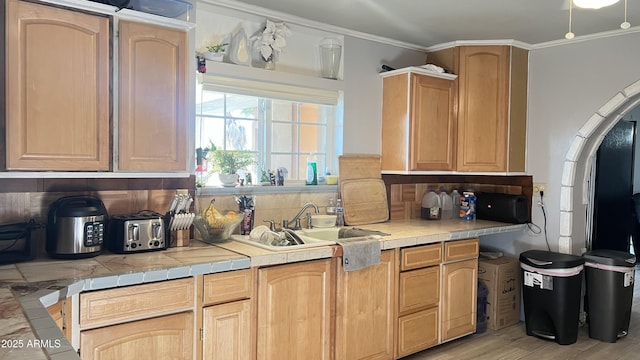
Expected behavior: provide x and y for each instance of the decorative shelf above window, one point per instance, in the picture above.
(246, 73)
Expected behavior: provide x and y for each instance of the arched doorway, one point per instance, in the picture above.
(579, 160)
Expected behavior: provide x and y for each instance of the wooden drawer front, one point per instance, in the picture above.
(135, 302)
(227, 286)
(420, 256)
(163, 337)
(417, 331)
(419, 289)
(461, 250)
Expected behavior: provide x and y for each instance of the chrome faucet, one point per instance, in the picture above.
(296, 219)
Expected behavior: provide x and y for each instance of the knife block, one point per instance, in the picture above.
(180, 238)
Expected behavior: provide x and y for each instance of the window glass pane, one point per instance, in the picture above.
(282, 110)
(241, 135)
(286, 161)
(211, 130)
(309, 113)
(282, 133)
(242, 106)
(283, 138)
(210, 103)
(312, 138)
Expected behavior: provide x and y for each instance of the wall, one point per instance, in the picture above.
(363, 90)
(568, 84)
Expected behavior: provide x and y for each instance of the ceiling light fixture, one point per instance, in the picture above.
(625, 25)
(593, 4)
(570, 35)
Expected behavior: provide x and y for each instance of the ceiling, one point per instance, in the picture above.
(431, 22)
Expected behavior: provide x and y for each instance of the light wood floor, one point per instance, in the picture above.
(513, 343)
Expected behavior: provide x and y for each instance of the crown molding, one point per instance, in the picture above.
(589, 37)
(451, 44)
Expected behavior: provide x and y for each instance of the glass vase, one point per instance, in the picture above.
(270, 64)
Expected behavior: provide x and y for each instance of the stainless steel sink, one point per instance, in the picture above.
(311, 237)
(309, 242)
(335, 233)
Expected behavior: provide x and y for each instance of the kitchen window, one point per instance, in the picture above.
(282, 126)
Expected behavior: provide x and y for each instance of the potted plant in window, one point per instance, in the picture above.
(227, 163)
(216, 52)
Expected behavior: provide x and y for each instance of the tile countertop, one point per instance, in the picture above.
(27, 288)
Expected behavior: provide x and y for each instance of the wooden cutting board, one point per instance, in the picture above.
(364, 195)
(359, 167)
(364, 201)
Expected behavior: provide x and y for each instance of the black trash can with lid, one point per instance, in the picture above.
(609, 280)
(551, 294)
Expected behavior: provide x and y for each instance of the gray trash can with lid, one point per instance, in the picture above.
(609, 281)
(551, 294)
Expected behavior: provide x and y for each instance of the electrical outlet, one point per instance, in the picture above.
(537, 187)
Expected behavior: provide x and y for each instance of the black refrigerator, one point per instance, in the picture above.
(613, 215)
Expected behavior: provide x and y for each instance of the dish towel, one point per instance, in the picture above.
(358, 253)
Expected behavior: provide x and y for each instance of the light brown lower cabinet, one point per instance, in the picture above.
(295, 310)
(365, 302)
(418, 298)
(227, 331)
(459, 293)
(164, 337)
(417, 331)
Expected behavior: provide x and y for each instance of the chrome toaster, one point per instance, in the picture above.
(143, 231)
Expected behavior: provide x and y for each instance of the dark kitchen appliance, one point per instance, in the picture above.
(76, 227)
(143, 231)
(16, 244)
(502, 207)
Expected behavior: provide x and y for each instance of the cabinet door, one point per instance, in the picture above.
(483, 108)
(152, 116)
(417, 331)
(418, 122)
(459, 298)
(365, 311)
(433, 124)
(165, 337)
(295, 310)
(57, 89)
(227, 331)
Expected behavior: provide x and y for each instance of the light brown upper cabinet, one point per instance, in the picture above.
(492, 105)
(153, 126)
(63, 84)
(57, 88)
(418, 121)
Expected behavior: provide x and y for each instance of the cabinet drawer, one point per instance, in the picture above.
(135, 302)
(461, 250)
(419, 289)
(227, 286)
(417, 331)
(420, 256)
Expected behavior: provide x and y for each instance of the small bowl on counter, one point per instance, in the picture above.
(323, 221)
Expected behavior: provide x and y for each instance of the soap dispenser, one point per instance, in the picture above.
(312, 171)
